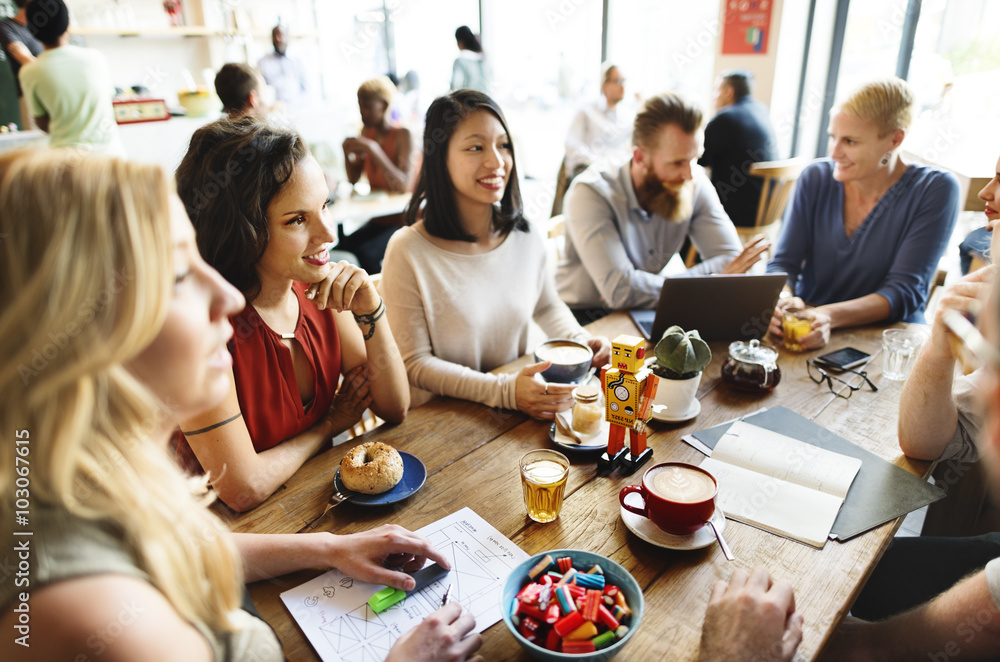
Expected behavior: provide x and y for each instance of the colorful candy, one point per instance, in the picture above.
(572, 611)
(540, 567)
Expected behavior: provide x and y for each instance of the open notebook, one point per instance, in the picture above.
(780, 484)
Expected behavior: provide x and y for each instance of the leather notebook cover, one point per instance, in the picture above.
(881, 491)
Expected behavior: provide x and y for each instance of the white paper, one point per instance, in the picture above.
(333, 611)
(780, 484)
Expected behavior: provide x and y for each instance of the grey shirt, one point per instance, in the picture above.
(615, 250)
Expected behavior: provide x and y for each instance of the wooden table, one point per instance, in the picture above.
(471, 454)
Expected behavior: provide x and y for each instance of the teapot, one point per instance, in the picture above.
(751, 366)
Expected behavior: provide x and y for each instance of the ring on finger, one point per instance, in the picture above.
(546, 389)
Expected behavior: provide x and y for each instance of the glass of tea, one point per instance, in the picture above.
(543, 479)
(796, 323)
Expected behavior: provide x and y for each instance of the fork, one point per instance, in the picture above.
(338, 497)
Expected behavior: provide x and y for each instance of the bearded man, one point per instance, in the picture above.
(623, 225)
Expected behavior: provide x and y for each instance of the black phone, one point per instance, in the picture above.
(845, 358)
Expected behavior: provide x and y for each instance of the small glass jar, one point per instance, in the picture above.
(588, 414)
(751, 366)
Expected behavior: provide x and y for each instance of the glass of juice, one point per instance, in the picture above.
(796, 323)
(543, 479)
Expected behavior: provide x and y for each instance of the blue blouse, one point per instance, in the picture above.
(893, 253)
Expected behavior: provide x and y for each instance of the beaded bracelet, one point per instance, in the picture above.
(371, 318)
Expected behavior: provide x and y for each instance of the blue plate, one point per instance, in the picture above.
(414, 475)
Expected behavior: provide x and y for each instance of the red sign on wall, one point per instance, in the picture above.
(747, 27)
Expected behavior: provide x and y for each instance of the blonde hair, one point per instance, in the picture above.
(85, 280)
(886, 102)
(379, 87)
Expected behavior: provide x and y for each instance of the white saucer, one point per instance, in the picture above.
(687, 416)
(645, 529)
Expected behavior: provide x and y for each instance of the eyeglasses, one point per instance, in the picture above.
(971, 349)
(820, 373)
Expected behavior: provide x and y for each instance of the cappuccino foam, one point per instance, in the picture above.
(681, 484)
(563, 354)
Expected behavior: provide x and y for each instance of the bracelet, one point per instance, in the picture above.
(371, 318)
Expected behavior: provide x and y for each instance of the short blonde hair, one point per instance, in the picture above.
(886, 102)
(379, 87)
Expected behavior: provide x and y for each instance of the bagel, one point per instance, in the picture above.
(371, 468)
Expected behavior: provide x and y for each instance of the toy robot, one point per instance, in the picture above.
(628, 395)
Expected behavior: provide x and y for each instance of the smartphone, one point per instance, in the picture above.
(848, 357)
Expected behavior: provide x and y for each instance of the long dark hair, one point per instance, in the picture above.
(467, 38)
(435, 191)
(230, 174)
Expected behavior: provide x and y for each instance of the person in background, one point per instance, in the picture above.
(739, 135)
(68, 88)
(119, 533)
(285, 73)
(265, 227)
(602, 129)
(865, 231)
(20, 47)
(385, 153)
(238, 88)
(469, 70)
(624, 224)
(464, 280)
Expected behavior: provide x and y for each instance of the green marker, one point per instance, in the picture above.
(389, 596)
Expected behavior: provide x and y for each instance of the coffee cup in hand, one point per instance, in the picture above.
(677, 497)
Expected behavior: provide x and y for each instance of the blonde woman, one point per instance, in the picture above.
(865, 230)
(112, 330)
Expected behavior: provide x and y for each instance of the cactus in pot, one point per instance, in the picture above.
(681, 354)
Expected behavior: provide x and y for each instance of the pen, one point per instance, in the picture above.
(447, 594)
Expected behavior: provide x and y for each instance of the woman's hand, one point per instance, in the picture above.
(352, 399)
(358, 145)
(820, 334)
(749, 256)
(384, 555)
(783, 304)
(541, 400)
(966, 296)
(444, 636)
(346, 287)
(602, 351)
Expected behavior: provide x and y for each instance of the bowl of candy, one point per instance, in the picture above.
(569, 604)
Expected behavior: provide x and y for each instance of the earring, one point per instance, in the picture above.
(885, 159)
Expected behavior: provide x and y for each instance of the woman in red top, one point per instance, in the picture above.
(257, 199)
(386, 155)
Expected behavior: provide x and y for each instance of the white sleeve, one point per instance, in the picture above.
(411, 326)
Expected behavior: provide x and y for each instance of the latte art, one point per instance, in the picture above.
(681, 484)
(563, 354)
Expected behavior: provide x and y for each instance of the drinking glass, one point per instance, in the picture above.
(899, 351)
(543, 479)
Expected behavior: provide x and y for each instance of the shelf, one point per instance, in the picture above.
(193, 31)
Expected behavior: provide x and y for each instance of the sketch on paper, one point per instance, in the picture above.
(333, 610)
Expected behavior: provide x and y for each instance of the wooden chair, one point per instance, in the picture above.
(369, 421)
(779, 182)
(935, 292)
(562, 183)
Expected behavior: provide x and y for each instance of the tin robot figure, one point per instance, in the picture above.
(628, 395)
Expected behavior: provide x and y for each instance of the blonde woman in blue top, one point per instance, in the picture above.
(865, 230)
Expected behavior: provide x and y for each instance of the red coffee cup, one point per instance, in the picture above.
(677, 497)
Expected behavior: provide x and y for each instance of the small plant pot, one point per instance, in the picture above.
(678, 395)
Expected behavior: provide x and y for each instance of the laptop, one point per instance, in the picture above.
(724, 307)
